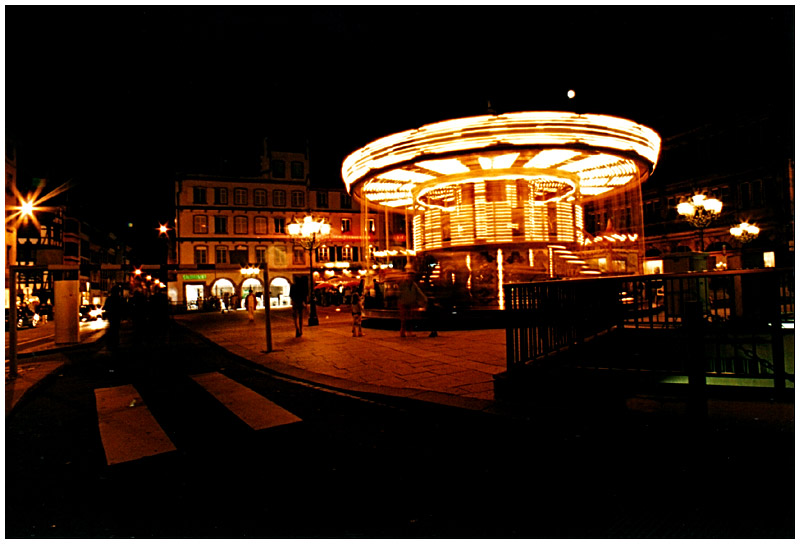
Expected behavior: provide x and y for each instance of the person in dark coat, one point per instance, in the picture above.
(298, 293)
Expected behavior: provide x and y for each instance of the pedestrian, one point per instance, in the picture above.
(409, 298)
(114, 313)
(298, 294)
(250, 304)
(357, 307)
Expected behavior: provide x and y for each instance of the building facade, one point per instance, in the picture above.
(747, 163)
(228, 226)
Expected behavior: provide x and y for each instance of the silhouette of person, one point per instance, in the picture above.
(298, 293)
(356, 308)
(250, 304)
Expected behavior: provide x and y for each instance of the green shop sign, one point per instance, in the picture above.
(194, 277)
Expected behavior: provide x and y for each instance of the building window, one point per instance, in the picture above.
(71, 249)
(298, 199)
(220, 195)
(199, 195)
(200, 255)
(260, 197)
(240, 196)
(221, 255)
(220, 224)
(280, 225)
(323, 253)
(278, 169)
(322, 199)
(299, 256)
(240, 224)
(371, 225)
(345, 201)
(200, 224)
(347, 253)
(260, 225)
(279, 197)
(298, 170)
(279, 255)
(346, 225)
(261, 255)
(239, 256)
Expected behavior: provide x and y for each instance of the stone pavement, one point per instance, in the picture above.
(455, 368)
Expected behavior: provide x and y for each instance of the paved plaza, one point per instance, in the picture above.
(454, 368)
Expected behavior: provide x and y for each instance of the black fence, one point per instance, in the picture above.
(732, 327)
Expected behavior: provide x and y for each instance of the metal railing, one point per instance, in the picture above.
(732, 324)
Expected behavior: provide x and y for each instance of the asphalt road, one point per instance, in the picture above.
(35, 338)
(356, 468)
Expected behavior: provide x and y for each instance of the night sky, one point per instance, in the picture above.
(120, 98)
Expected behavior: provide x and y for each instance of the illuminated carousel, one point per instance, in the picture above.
(513, 197)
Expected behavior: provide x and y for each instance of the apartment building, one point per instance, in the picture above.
(747, 163)
(226, 226)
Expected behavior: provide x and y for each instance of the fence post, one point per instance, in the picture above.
(778, 362)
(693, 318)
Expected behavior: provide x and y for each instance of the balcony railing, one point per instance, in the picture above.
(737, 327)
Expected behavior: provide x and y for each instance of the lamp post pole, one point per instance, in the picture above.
(12, 316)
(313, 320)
(267, 308)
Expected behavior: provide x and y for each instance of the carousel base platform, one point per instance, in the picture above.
(441, 320)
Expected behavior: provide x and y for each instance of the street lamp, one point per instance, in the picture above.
(308, 234)
(745, 232)
(16, 215)
(700, 212)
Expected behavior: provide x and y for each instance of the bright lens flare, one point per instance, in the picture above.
(26, 208)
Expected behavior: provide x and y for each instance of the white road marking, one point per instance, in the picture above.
(255, 410)
(127, 428)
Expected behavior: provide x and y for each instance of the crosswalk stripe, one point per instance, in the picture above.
(127, 428)
(249, 406)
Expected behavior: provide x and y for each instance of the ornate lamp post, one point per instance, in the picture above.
(309, 234)
(745, 232)
(700, 212)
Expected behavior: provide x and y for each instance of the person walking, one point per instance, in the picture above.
(409, 298)
(298, 294)
(357, 307)
(250, 304)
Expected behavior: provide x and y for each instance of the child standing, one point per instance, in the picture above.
(356, 308)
